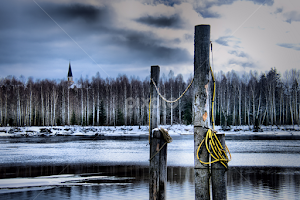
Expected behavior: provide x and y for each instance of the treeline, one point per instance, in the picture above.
(247, 99)
(252, 99)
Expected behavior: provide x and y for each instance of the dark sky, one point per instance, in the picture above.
(40, 37)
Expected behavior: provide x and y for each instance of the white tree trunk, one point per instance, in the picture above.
(125, 107)
(164, 105)
(87, 106)
(94, 107)
(63, 107)
(171, 105)
(19, 108)
(82, 110)
(291, 110)
(98, 107)
(68, 106)
(42, 107)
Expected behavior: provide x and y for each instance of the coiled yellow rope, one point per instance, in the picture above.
(218, 153)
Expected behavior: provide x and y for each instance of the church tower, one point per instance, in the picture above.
(70, 76)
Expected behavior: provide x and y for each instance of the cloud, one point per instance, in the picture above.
(290, 46)
(33, 35)
(188, 37)
(222, 41)
(136, 34)
(35, 40)
(206, 13)
(239, 54)
(74, 12)
(241, 63)
(291, 16)
(173, 21)
(87, 12)
(7, 19)
(278, 10)
(167, 2)
(204, 7)
(228, 41)
(267, 2)
(141, 46)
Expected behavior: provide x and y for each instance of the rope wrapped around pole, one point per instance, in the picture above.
(215, 149)
(167, 138)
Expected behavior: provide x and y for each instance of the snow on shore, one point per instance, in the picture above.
(136, 130)
(88, 130)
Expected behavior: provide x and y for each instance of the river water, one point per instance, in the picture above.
(96, 168)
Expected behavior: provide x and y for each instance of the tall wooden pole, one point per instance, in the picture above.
(155, 70)
(158, 159)
(201, 109)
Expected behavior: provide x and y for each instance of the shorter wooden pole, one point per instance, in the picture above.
(158, 166)
(219, 175)
(158, 148)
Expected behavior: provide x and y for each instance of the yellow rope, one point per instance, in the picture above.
(213, 100)
(218, 153)
(168, 101)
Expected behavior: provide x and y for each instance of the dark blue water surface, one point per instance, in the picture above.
(93, 168)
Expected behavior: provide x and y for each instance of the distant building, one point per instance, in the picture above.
(70, 76)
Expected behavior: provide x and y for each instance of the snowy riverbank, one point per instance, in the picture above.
(89, 130)
(46, 131)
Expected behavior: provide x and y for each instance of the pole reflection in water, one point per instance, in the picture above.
(131, 182)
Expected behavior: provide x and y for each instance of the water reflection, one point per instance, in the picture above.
(108, 171)
(263, 182)
(131, 182)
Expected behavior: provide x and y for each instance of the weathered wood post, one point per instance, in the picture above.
(219, 175)
(201, 108)
(154, 98)
(158, 161)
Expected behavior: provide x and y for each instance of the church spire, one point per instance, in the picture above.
(70, 71)
(70, 76)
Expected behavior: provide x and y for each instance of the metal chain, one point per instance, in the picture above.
(168, 101)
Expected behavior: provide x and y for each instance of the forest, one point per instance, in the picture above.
(241, 99)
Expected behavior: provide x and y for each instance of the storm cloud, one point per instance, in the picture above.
(87, 12)
(40, 37)
(168, 2)
(173, 21)
(147, 46)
